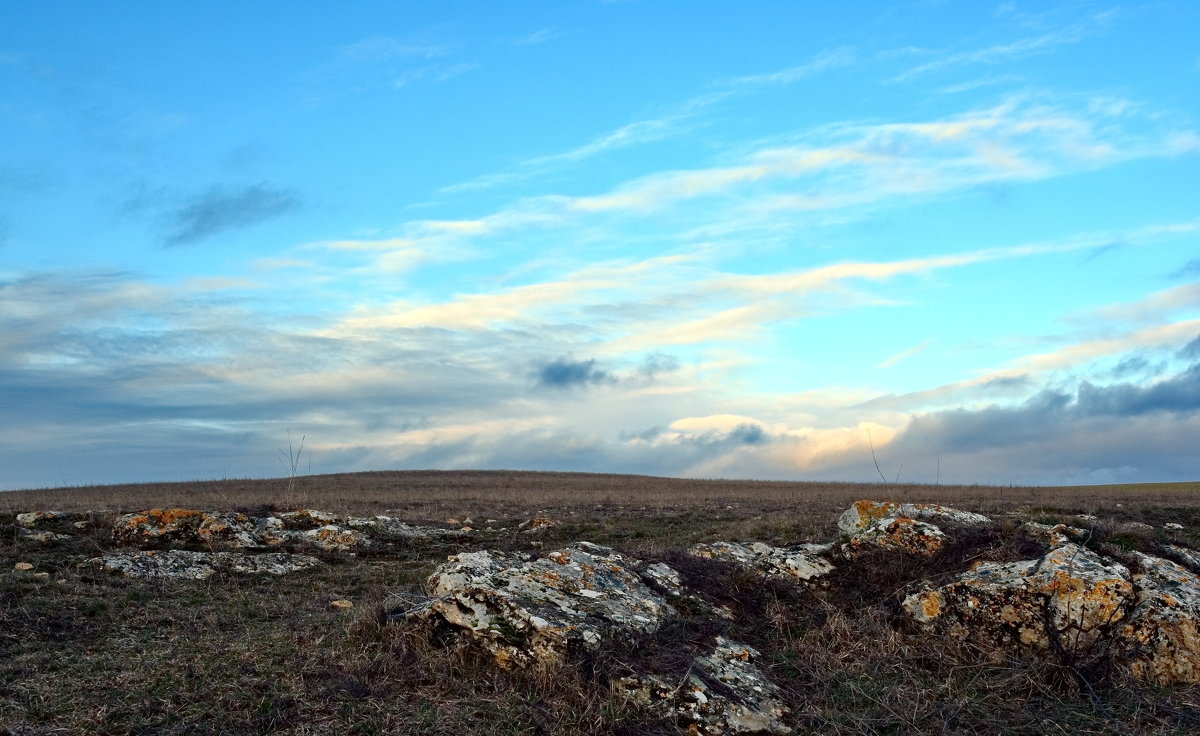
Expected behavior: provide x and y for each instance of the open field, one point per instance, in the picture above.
(86, 652)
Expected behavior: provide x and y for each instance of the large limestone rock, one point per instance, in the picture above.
(211, 529)
(1163, 630)
(1064, 602)
(743, 701)
(530, 612)
(865, 513)
(187, 565)
(799, 564)
(899, 534)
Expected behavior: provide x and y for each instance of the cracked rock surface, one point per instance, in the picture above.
(529, 612)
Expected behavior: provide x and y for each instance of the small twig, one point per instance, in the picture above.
(877, 470)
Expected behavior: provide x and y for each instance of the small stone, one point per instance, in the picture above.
(1172, 526)
(23, 566)
(341, 603)
(42, 575)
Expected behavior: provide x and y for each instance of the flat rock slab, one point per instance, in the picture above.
(185, 565)
(530, 612)
(796, 565)
(865, 513)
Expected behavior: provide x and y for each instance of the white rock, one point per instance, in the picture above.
(864, 513)
(793, 565)
(529, 612)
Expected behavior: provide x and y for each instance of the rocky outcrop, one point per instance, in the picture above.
(224, 530)
(864, 514)
(743, 701)
(154, 527)
(529, 612)
(1162, 633)
(799, 564)
(1063, 602)
(188, 565)
(896, 534)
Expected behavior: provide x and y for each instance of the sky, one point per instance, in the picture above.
(959, 241)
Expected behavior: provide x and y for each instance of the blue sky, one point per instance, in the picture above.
(691, 239)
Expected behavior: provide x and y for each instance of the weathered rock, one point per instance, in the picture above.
(900, 534)
(34, 519)
(1065, 601)
(334, 537)
(43, 536)
(528, 612)
(211, 529)
(305, 519)
(389, 527)
(1190, 557)
(865, 513)
(792, 565)
(537, 525)
(1163, 630)
(23, 566)
(662, 577)
(1173, 526)
(754, 703)
(1052, 536)
(187, 565)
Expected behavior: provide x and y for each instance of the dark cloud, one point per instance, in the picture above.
(658, 363)
(222, 208)
(1191, 351)
(564, 374)
(1096, 434)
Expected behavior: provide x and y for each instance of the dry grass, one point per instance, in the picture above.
(82, 652)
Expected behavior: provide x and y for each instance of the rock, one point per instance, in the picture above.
(1163, 630)
(33, 519)
(334, 537)
(341, 603)
(529, 612)
(42, 575)
(1172, 526)
(41, 537)
(211, 529)
(1190, 557)
(900, 534)
(663, 578)
(387, 526)
(1051, 536)
(792, 565)
(187, 565)
(23, 566)
(745, 701)
(305, 519)
(1068, 599)
(864, 513)
(537, 524)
